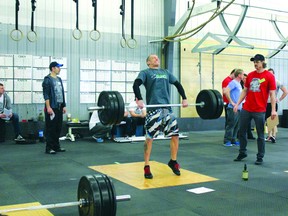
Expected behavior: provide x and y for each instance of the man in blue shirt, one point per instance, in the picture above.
(232, 93)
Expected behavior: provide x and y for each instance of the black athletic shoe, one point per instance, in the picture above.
(175, 167)
(268, 139)
(259, 161)
(273, 139)
(60, 150)
(147, 172)
(240, 157)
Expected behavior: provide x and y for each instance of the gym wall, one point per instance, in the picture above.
(54, 23)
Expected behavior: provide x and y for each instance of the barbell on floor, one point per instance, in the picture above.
(96, 197)
(209, 105)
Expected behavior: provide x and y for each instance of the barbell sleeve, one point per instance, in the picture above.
(96, 108)
(48, 206)
(81, 202)
(122, 198)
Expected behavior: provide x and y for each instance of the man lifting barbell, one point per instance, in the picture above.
(110, 105)
(156, 82)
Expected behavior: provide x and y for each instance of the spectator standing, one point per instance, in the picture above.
(259, 85)
(225, 83)
(55, 107)
(232, 93)
(249, 128)
(272, 133)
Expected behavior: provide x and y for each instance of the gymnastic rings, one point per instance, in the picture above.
(95, 35)
(77, 34)
(32, 36)
(123, 42)
(131, 43)
(16, 34)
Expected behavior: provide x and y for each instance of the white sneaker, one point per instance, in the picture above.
(19, 138)
(228, 144)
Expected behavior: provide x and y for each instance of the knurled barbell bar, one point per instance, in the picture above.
(209, 105)
(96, 197)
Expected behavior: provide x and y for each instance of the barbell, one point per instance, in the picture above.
(96, 197)
(110, 106)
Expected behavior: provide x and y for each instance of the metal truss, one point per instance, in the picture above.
(221, 44)
(232, 34)
(282, 38)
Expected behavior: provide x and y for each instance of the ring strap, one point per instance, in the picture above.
(94, 4)
(122, 12)
(17, 4)
(77, 10)
(132, 19)
(33, 6)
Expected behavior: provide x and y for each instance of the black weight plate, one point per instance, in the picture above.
(118, 103)
(220, 103)
(104, 194)
(120, 115)
(88, 190)
(112, 195)
(106, 115)
(214, 104)
(103, 100)
(121, 107)
(114, 110)
(209, 109)
(108, 187)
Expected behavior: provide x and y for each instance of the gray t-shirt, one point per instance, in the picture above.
(5, 102)
(278, 86)
(58, 90)
(157, 83)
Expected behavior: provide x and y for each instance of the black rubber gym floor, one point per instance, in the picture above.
(28, 175)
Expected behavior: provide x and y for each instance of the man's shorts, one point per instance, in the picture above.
(161, 120)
